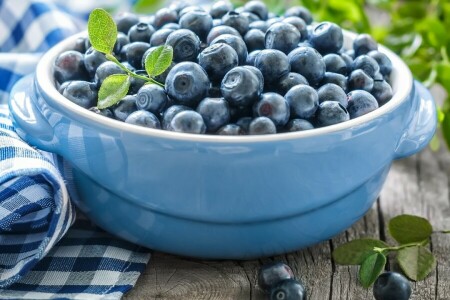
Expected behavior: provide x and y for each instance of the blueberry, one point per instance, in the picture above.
(137, 83)
(332, 92)
(251, 57)
(300, 24)
(298, 125)
(125, 107)
(219, 30)
(241, 87)
(151, 97)
(289, 289)
(81, 93)
(190, 8)
(367, 64)
(69, 65)
(274, 107)
(255, 39)
(237, 21)
(288, 81)
(170, 112)
(185, 44)
(244, 123)
(188, 121)
(383, 61)
(106, 69)
(273, 64)
(262, 125)
(173, 26)
(309, 63)
(331, 112)
(143, 118)
(258, 74)
(391, 286)
(92, 60)
(334, 63)
(301, 12)
(261, 25)
(160, 37)
(217, 60)
(359, 80)
(80, 45)
(282, 36)
(102, 112)
(220, 8)
(271, 274)
(125, 21)
(327, 37)
(165, 16)
(360, 103)
(187, 83)
(335, 78)
(258, 8)
(382, 91)
(303, 101)
(121, 41)
(237, 43)
(348, 60)
(134, 53)
(215, 113)
(363, 44)
(251, 17)
(198, 22)
(231, 129)
(141, 32)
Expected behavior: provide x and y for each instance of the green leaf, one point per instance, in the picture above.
(416, 262)
(158, 60)
(371, 268)
(102, 31)
(407, 229)
(113, 89)
(356, 251)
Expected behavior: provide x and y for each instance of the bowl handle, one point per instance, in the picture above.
(422, 126)
(28, 120)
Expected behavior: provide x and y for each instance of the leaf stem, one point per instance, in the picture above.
(400, 247)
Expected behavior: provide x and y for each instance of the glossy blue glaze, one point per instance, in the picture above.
(221, 197)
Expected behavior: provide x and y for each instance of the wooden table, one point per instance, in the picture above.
(417, 185)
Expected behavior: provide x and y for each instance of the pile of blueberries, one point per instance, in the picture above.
(235, 71)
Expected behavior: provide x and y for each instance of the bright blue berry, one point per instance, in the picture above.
(271, 274)
(359, 80)
(215, 113)
(289, 289)
(360, 103)
(382, 91)
(258, 8)
(332, 92)
(282, 36)
(188, 121)
(125, 21)
(391, 286)
(255, 39)
(170, 112)
(237, 43)
(303, 101)
(309, 63)
(331, 112)
(81, 93)
(219, 30)
(151, 97)
(143, 118)
(185, 44)
(141, 32)
(237, 21)
(274, 107)
(363, 44)
(220, 8)
(134, 53)
(383, 61)
(241, 87)
(69, 65)
(334, 63)
(300, 24)
(217, 60)
(273, 64)
(298, 125)
(262, 125)
(335, 78)
(288, 81)
(198, 22)
(165, 16)
(367, 64)
(327, 37)
(92, 60)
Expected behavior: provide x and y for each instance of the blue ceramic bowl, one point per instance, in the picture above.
(222, 197)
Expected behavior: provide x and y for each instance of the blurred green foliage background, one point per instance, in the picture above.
(415, 29)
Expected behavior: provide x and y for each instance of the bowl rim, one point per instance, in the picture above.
(401, 79)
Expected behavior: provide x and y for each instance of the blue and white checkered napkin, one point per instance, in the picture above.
(41, 255)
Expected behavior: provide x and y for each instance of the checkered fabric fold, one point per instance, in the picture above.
(41, 255)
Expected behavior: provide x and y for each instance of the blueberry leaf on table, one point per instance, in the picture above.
(356, 251)
(113, 89)
(102, 31)
(416, 262)
(371, 268)
(410, 229)
(159, 60)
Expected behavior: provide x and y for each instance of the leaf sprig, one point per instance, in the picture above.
(412, 234)
(102, 31)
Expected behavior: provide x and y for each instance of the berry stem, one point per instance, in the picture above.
(129, 72)
(400, 247)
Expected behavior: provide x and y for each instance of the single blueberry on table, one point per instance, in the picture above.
(359, 80)
(106, 69)
(309, 63)
(219, 30)
(367, 64)
(160, 37)
(298, 125)
(69, 65)
(220, 8)
(241, 87)
(141, 32)
(363, 44)
(391, 286)
(165, 16)
(258, 8)
(332, 92)
(273, 106)
(92, 60)
(288, 81)
(303, 101)
(125, 107)
(300, 24)
(331, 112)
(185, 44)
(255, 39)
(237, 21)
(215, 113)
(327, 37)
(271, 274)
(236, 42)
(188, 121)
(102, 112)
(262, 125)
(335, 78)
(217, 60)
(382, 91)
(81, 93)
(187, 83)
(360, 103)
(134, 53)
(151, 97)
(231, 129)
(289, 289)
(383, 61)
(334, 63)
(261, 25)
(170, 112)
(273, 64)
(198, 22)
(301, 12)
(143, 118)
(282, 36)
(125, 21)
